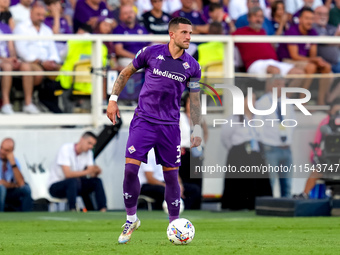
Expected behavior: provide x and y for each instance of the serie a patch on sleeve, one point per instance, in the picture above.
(193, 85)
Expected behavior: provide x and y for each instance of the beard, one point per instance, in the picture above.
(255, 26)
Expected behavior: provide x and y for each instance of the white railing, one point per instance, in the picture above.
(96, 117)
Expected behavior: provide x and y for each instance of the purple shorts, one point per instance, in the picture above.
(165, 139)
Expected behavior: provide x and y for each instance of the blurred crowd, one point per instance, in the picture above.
(129, 17)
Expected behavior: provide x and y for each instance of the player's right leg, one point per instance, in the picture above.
(131, 190)
(141, 139)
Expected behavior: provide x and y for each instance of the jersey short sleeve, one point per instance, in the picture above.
(141, 58)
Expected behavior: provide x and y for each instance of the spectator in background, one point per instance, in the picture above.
(78, 50)
(213, 51)
(279, 17)
(318, 138)
(328, 52)
(304, 55)
(169, 6)
(58, 23)
(42, 55)
(243, 149)
(126, 51)
(105, 26)
(15, 194)
(116, 12)
(293, 6)
(5, 14)
(217, 14)
(276, 138)
(156, 21)
(55, 19)
(237, 8)
(73, 173)
(21, 11)
(334, 14)
(9, 62)
(206, 8)
(306, 4)
(243, 21)
(88, 11)
(199, 23)
(261, 58)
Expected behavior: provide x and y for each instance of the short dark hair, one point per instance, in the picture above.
(215, 28)
(179, 20)
(49, 2)
(306, 9)
(86, 27)
(89, 134)
(214, 6)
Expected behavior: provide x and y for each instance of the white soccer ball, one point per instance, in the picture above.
(165, 207)
(180, 231)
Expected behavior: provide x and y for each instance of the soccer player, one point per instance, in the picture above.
(168, 71)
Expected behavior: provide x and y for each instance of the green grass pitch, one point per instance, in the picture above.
(216, 233)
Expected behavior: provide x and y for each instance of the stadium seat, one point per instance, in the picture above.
(74, 97)
(146, 199)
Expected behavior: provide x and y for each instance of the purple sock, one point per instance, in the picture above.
(131, 188)
(172, 193)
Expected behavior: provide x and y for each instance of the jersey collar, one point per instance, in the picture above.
(168, 54)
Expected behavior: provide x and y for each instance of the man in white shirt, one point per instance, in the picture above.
(275, 137)
(73, 173)
(21, 11)
(41, 54)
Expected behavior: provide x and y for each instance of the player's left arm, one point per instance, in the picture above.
(195, 113)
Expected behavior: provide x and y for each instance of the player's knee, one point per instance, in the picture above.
(131, 171)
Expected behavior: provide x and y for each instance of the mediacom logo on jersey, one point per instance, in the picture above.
(171, 75)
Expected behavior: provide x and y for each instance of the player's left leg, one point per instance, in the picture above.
(168, 154)
(172, 192)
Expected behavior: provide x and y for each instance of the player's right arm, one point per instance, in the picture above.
(112, 108)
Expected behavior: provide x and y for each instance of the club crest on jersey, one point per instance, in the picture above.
(186, 65)
(131, 149)
(160, 57)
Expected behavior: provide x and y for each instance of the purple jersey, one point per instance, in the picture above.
(4, 29)
(165, 80)
(64, 26)
(195, 17)
(133, 47)
(304, 48)
(83, 12)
